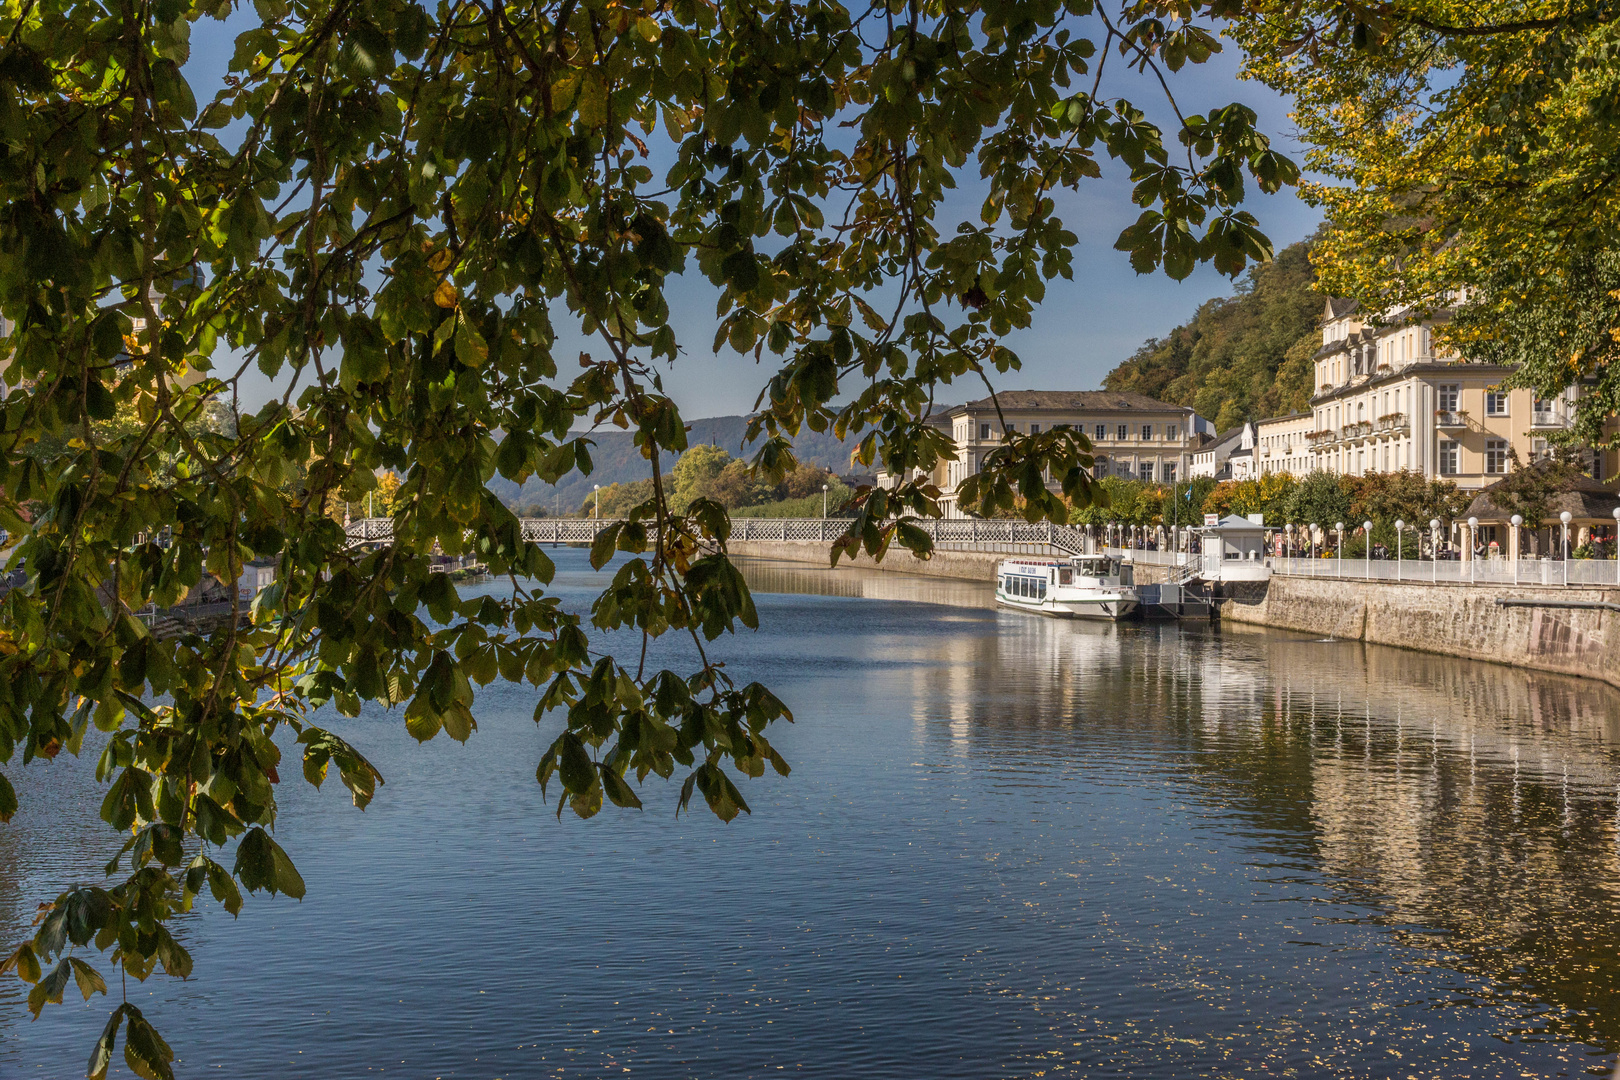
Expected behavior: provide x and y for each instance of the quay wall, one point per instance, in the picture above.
(1453, 620)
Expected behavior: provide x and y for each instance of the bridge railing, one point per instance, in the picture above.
(972, 532)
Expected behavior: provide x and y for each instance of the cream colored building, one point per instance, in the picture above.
(1388, 400)
(1132, 435)
(1281, 446)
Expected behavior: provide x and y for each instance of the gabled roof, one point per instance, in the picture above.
(1586, 499)
(1337, 307)
(1071, 400)
(1234, 523)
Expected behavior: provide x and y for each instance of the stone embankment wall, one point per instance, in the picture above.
(1455, 620)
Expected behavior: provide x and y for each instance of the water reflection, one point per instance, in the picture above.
(1470, 811)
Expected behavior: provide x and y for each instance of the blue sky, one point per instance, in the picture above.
(1084, 328)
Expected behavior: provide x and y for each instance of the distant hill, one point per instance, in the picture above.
(618, 461)
(1243, 357)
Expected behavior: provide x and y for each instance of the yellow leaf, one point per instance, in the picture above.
(440, 261)
(593, 99)
(445, 295)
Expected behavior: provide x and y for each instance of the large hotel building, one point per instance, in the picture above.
(1387, 400)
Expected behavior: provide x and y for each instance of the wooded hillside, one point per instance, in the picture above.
(1243, 357)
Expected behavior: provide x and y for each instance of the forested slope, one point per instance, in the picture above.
(1243, 357)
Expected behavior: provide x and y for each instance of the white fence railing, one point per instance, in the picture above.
(1152, 558)
(995, 535)
(583, 530)
(1558, 572)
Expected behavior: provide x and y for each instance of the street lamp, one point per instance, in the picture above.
(1338, 527)
(823, 500)
(1434, 548)
(1516, 521)
(597, 513)
(1366, 536)
(1399, 525)
(1473, 545)
(1564, 519)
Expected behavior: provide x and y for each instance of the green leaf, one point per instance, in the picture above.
(88, 978)
(617, 790)
(8, 799)
(101, 1053)
(49, 988)
(262, 864)
(147, 1055)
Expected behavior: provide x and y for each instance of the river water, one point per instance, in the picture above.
(1010, 847)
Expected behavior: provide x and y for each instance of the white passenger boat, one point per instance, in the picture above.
(1086, 586)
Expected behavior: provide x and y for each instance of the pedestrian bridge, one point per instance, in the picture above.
(954, 534)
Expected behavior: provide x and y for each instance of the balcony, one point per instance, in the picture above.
(1325, 437)
(1392, 423)
(1358, 430)
(1549, 420)
(1444, 419)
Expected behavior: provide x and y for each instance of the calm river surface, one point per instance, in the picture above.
(1010, 847)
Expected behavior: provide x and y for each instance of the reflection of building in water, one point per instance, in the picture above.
(1468, 808)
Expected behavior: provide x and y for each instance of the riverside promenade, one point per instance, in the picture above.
(1544, 614)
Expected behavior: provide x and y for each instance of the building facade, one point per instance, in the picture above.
(1387, 400)
(1228, 456)
(1132, 435)
(1281, 445)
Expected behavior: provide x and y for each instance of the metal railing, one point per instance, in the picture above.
(1499, 571)
(968, 531)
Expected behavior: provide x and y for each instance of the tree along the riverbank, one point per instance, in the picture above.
(1318, 498)
(1468, 153)
(1242, 357)
(708, 472)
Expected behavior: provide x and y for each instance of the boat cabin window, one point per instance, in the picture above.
(1096, 567)
(1065, 576)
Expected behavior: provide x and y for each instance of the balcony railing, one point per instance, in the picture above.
(1549, 418)
(1451, 419)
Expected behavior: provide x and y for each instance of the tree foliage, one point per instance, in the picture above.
(1468, 154)
(392, 209)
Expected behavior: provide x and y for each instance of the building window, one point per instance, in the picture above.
(1496, 455)
(1539, 450)
(1034, 429)
(984, 431)
(1169, 472)
(1124, 432)
(1496, 403)
(1100, 469)
(1102, 432)
(1448, 458)
(1144, 469)
(1448, 395)
(1147, 432)
(1169, 431)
